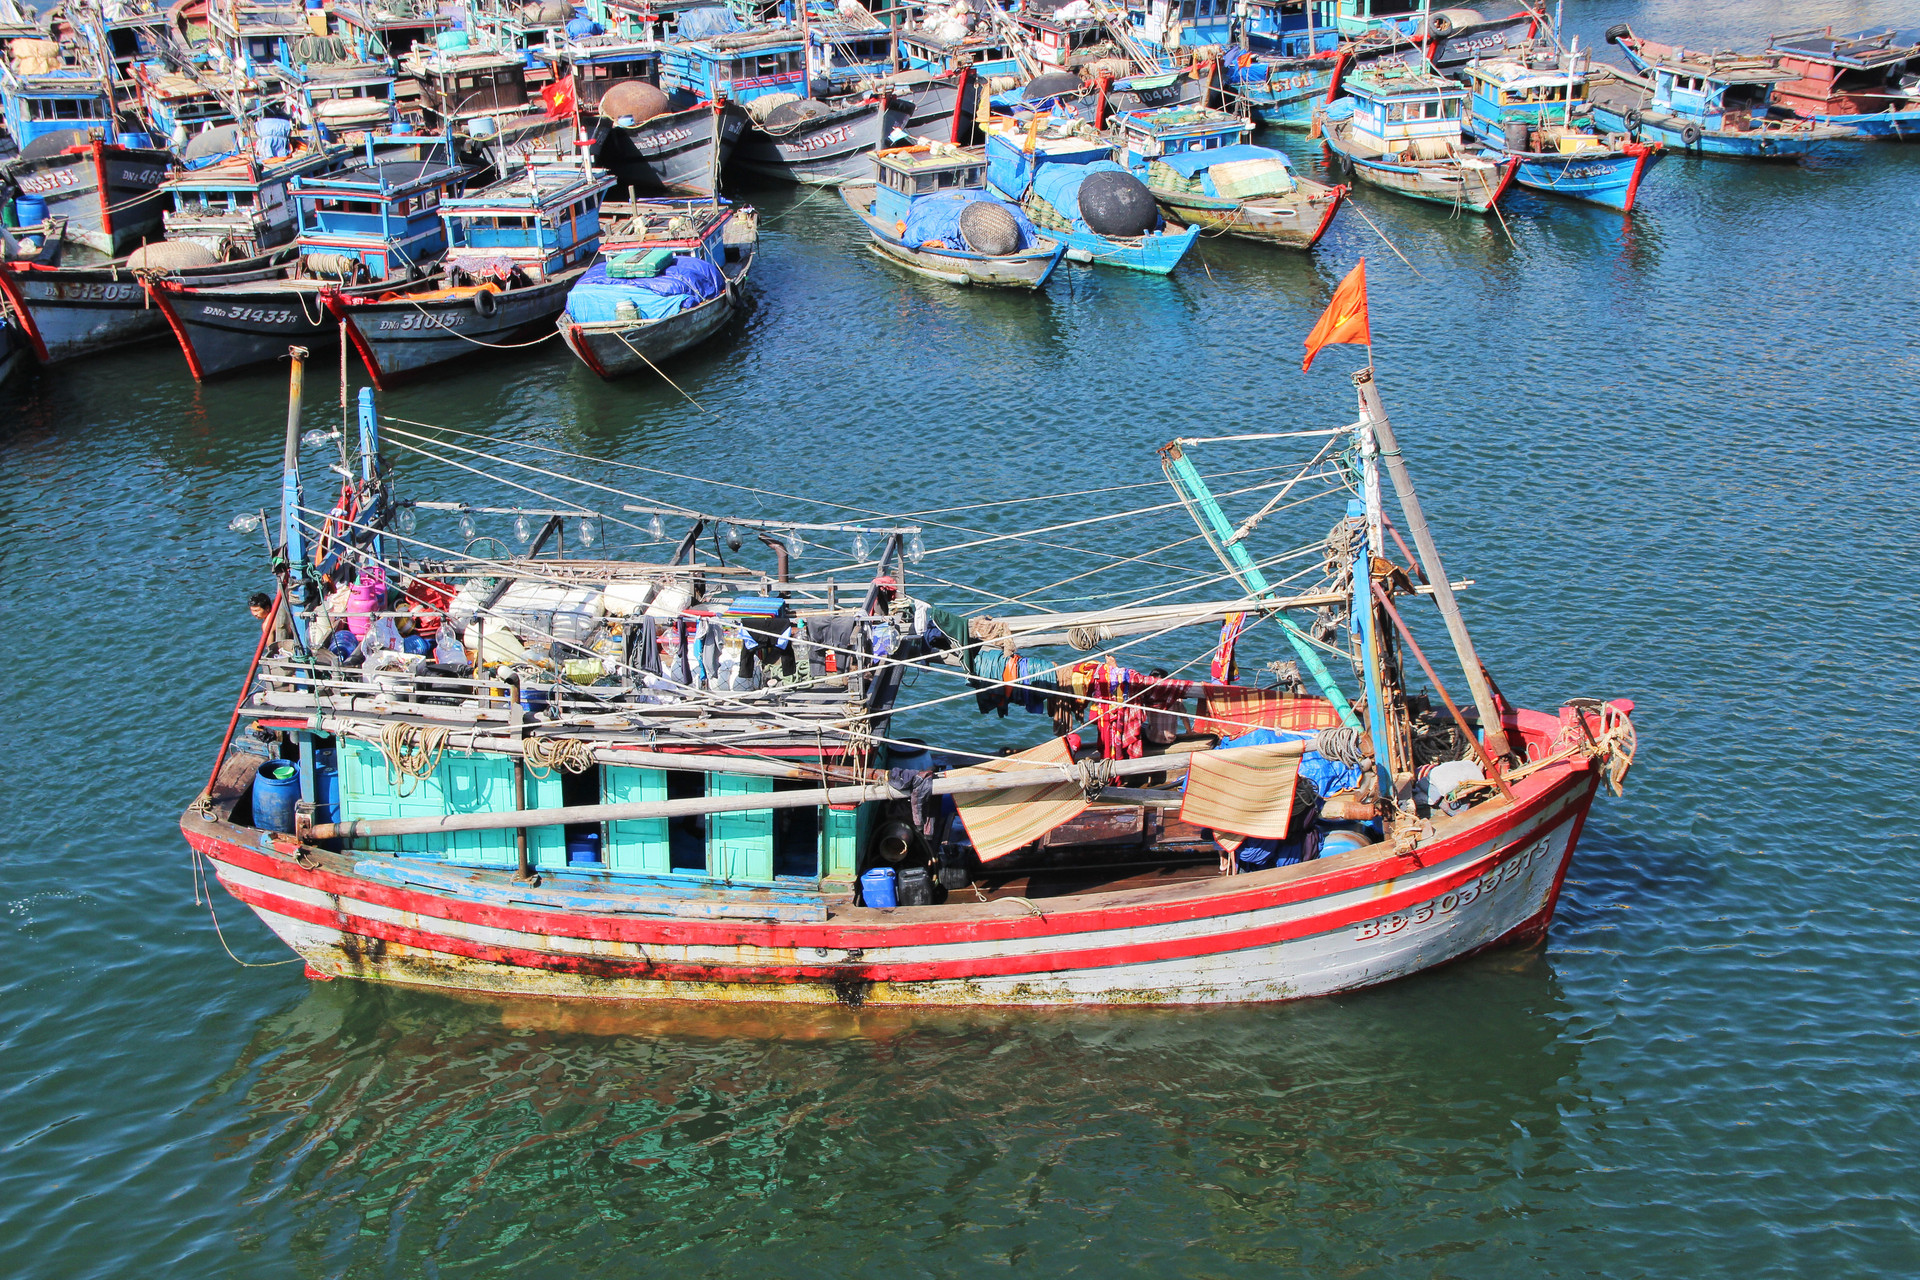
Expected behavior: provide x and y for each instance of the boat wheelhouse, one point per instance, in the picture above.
(1868, 81)
(683, 776)
(460, 86)
(395, 27)
(343, 99)
(258, 39)
(1711, 104)
(854, 58)
(671, 143)
(1399, 128)
(1203, 170)
(928, 210)
(239, 206)
(1289, 61)
(513, 251)
(180, 105)
(1532, 105)
(370, 227)
(672, 274)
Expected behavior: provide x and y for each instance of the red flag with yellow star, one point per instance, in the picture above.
(1345, 319)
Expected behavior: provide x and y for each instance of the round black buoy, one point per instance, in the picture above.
(1117, 204)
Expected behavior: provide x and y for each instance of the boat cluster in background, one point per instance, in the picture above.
(426, 181)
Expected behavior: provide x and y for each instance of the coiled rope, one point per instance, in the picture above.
(1344, 745)
(543, 755)
(412, 751)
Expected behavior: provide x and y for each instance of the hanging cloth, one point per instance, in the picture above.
(1225, 668)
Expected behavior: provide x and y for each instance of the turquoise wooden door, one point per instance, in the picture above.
(740, 845)
(479, 784)
(639, 844)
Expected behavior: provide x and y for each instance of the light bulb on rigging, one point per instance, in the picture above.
(796, 545)
(589, 532)
(522, 530)
(916, 549)
(467, 526)
(860, 547)
(404, 520)
(655, 529)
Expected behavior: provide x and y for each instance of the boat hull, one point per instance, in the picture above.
(1612, 181)
(396, 340)
(823, 152)
(71, 312)
(1890, 126)
(679, 153)
(615, 350)
(1676, 133)
(1289, 223)
(1029, 269)
(108, 194)
(1340, 924)
(223, 331)
(1451, 183)
(1284, 97)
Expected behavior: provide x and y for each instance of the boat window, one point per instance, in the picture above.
(463, 82)
(1453, 109)
(1433, 111)
(976, 176)
(1186, 8)
(1395, 111)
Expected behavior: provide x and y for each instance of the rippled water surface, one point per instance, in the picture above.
(1672, 452)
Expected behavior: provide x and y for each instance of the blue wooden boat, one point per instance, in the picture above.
(1532, 106)
(651, 142)
(1041, 163)
(1710, 104)
(1868, 81)
(371, 228)
(514, 249)
(927, 189)
(1399, 128)
(1203, 170)
(1288, 65)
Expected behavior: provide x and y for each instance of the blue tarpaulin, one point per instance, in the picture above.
(699, 24)
(1188, 163)
(938, 218)
(1059, 185)
(686, 282)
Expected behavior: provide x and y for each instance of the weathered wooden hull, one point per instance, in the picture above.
(1459, 184)
(823, 152)
(1612, 181)
(1295, 222)
(615, 350)
(230, 330)
(941, 110)
(69, 312)
(108, 194)
(681, 152)
(1346, 922)
(1786, 143)
(398, 339)
(1028, 269)
(1283, 96)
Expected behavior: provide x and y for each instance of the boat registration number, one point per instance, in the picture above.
(1585, 171)
(1448, 903)
(419, 320)
(821, 141)
(661, 141)
(123, 292)
(36, 182)
(255, 315)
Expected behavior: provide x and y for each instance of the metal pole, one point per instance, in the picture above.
(1436, 571)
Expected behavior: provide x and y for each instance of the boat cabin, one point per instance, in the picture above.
(538, 223)
(59, 100)
(1147, 135)
(848, 51)
(1538, 91)
(1166, 25)
(596, 68)
(736, 67)
(341, 98)
(1861, 74)
(1713, 90)
(462, 85)
(384, 213)
(238, 205)
(1401, 110)
(1066, 44)
(1291, 28)
(180, 106)
(257, 37)
(394, 28)
(903, 174)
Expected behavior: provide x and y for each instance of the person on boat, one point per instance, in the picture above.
(260, 605)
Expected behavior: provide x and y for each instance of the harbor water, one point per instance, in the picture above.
(1669, 450)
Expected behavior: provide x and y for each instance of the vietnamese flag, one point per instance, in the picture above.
(1345, 319)
(559, 98)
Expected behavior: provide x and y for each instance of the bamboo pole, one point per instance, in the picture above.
(952, 784)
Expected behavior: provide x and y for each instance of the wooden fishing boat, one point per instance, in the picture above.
(1399, 129)
(677, 779)
(513, 252)
(922, 192)
(16, 353)
(1044, 164)
(617, 325)
(1868, 81)
(1531, 106)
(1203, 170)
(369, 229)
(1709, 104)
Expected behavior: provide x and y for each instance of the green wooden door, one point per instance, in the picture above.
(638, 844)
(740, 845)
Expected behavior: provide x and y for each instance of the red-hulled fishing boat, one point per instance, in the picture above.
(683, 779)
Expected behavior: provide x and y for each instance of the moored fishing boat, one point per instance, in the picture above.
(928, 210)
(1398, 129)
(1710, 104)
(1868, 81)
(647, 141)
(371, 228)
(671, 276)
(1531, 106)
(670, 778)
(513, 252)
(1203, 170)
(1057, 169)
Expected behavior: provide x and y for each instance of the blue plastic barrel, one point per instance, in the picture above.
(326, 785)
(417, 645)
(583, 847)
(876, 888)
(29, 211)
(275, 790)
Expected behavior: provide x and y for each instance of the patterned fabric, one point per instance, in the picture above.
(1229, 712)
(1247, 791)
(998, 822)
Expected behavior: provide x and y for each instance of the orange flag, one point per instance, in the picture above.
(1345, 319)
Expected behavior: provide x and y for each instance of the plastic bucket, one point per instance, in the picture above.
(876, 888)
(275, 790)
(583, 847)
(29, 211)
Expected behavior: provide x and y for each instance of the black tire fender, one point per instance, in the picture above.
(1616, 31)
(1689, 134)
(1440, 25)
(1633, 120)
(485, 303)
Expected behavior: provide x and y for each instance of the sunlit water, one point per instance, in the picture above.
(1672, 453)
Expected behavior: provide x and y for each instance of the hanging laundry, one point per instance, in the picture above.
(1225, 669)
